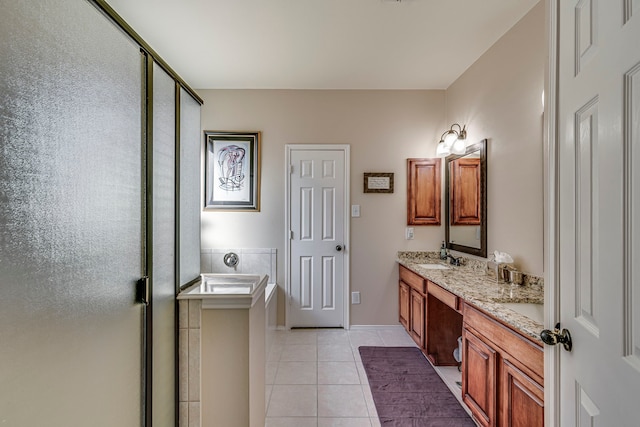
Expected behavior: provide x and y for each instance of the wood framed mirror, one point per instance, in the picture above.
(466, 200)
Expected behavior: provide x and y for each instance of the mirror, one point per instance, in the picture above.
(466, 200)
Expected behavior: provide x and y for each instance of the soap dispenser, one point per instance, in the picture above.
(443, 251)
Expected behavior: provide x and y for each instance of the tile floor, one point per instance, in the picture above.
(315, 378)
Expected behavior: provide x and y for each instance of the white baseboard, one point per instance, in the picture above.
(360, 327)
(365, 327)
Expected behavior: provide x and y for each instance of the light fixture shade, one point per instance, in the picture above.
(442, 150)
(452, 141)
(458, 147)
(450, 138)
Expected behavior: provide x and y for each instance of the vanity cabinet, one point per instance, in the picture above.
(412, 304)
(443, 325)
(480, 378)
(502, 373)
(405, 307)
(417, 317)
(430, 315)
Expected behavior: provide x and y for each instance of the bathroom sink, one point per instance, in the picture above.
(532, 311)
(434, 266)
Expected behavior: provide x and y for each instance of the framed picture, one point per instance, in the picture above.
(232, 170)
(378, 182)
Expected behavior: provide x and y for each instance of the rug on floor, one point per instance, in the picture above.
(408, 392)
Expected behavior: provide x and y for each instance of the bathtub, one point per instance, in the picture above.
(230, 291)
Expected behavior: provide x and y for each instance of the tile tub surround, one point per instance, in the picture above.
(189, 362)
(470, 282)
(189, 359)
(250, 261)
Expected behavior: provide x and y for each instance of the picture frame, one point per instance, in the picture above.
(378, 182)
(232, 170)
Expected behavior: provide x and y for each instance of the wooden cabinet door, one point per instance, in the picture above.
(465, 194)
(417, 317)
(479, 378)
(423, 191)
(522, 399)
(404, 304)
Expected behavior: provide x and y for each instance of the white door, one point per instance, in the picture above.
(599, 211)
(317, 196)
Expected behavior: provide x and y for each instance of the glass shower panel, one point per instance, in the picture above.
(71, 223)
(190, 187)
(163, 275)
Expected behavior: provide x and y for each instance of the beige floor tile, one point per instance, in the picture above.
(297, 373)
(299, 353)
(338, 373)
(291, 422)
(335, 353)
(344, 422)
(293, 401)
(365, 338)
(356, 354)
(267, 395)
(275, 352)
(362, 373)
(302, 337)
(333, 337)
(341, 401)
(396, 337)
(280, 337)
(368, 398)
(270, 372)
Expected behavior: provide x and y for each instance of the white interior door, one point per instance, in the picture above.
(599, 211)
(317, 223)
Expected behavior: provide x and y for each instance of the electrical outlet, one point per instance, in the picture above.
(355, 297)
(409, 233)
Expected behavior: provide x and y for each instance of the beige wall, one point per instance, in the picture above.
(498, 98)
(383, 128)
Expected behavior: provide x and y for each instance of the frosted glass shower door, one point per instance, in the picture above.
(71, 218)
(163, 278)
(190, 193)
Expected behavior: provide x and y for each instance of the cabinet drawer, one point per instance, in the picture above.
(412, 279)
(443, 295)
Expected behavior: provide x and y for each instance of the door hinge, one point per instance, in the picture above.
(290, 234)
(290, 168)
(142, 296)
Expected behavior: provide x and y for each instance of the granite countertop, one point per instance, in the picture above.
(471, 283)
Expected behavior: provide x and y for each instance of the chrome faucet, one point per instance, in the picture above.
(453, 260)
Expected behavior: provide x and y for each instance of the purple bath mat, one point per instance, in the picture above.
(407, 390)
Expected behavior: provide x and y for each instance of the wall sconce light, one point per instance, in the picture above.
(452, 141)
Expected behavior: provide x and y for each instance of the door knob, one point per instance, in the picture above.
(557, 336)
(339, 248)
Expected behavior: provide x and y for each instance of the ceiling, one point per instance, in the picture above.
(321, 44)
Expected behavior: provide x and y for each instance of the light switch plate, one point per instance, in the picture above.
(355, 211)
(409, 233)
(355, 297)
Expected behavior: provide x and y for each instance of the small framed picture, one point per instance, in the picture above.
(378, 182)
(232, 170)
